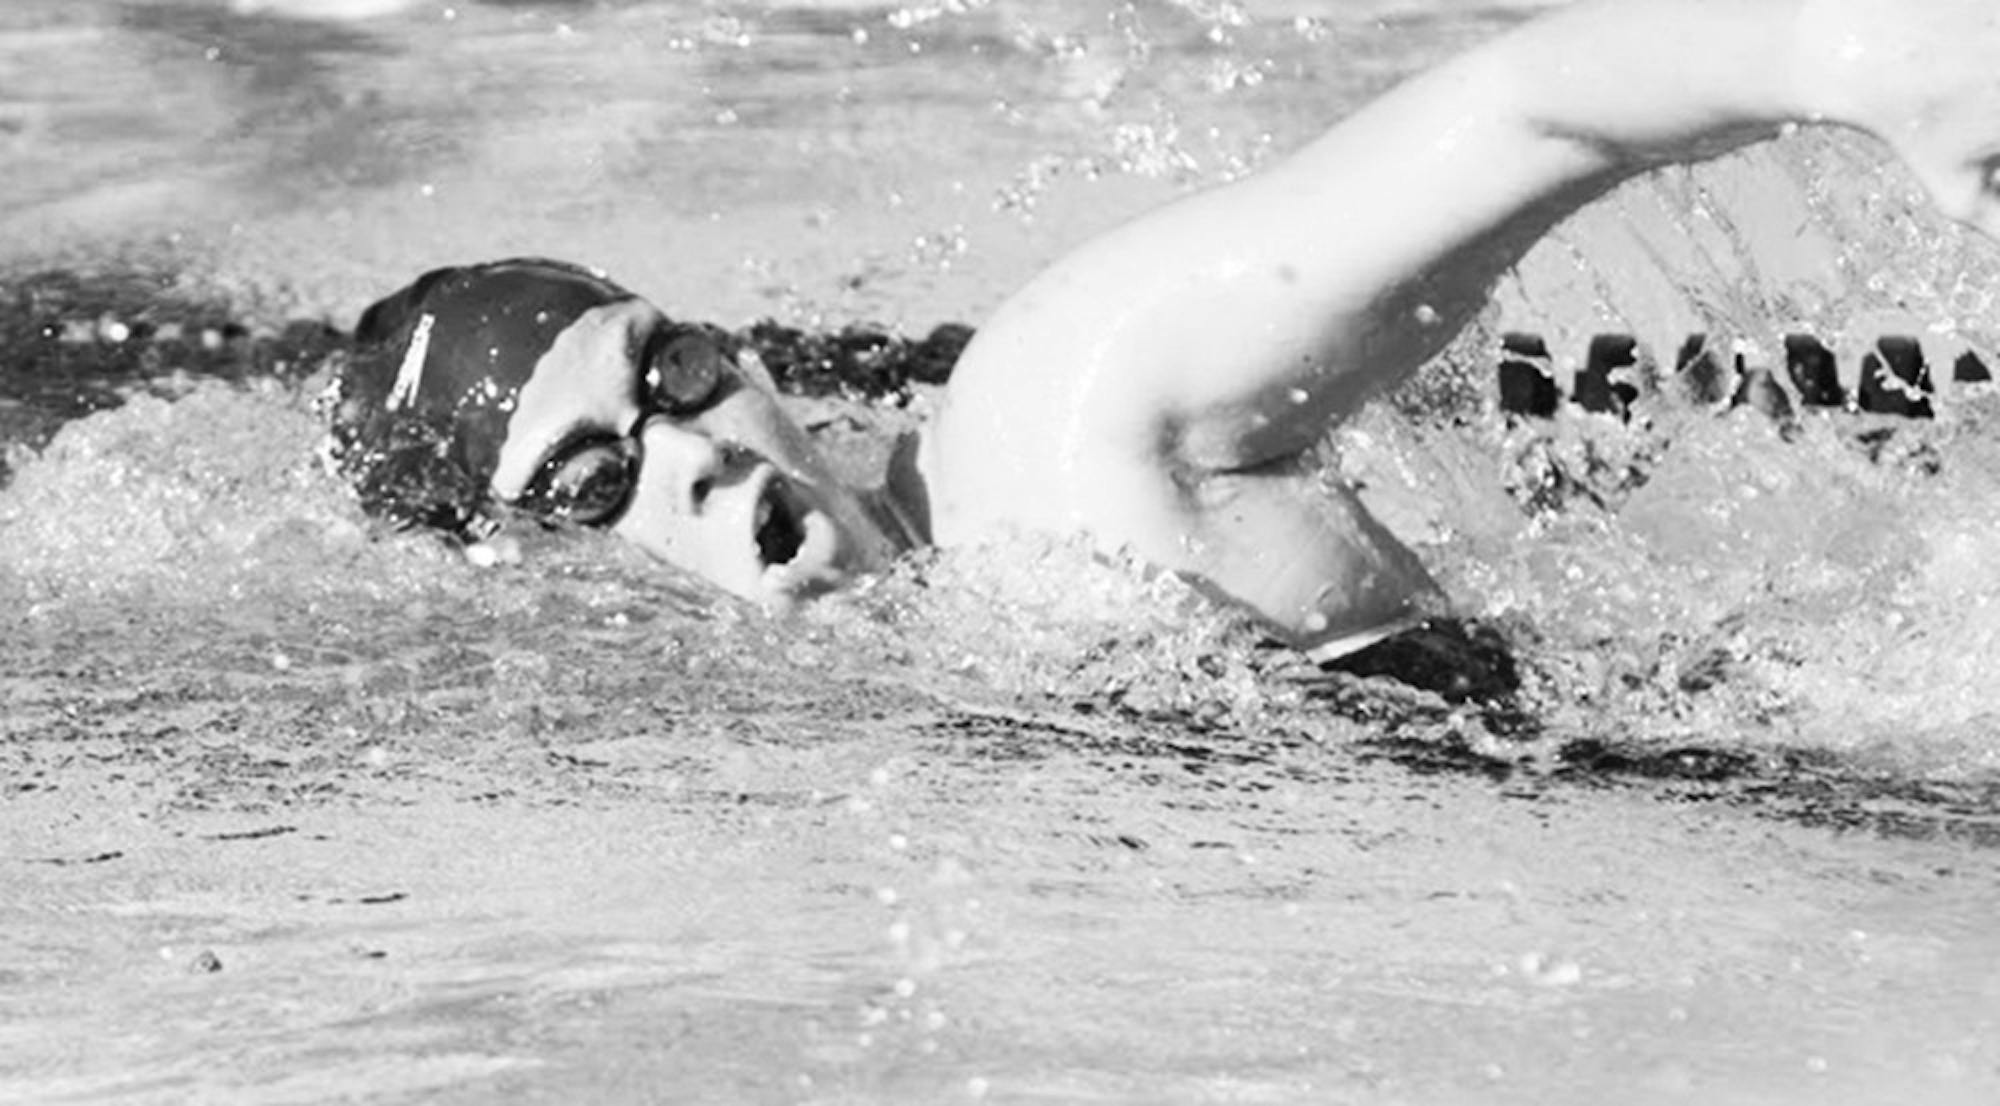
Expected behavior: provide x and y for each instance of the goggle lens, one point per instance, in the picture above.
(686, 373)
(589, 483)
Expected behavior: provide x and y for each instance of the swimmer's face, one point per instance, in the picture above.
(659, 434)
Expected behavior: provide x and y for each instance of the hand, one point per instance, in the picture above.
(1923, 76)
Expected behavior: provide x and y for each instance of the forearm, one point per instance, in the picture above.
(1232, 327)
(1456, 173)
(1397, 221)
(1628, 83)
(1646, 82)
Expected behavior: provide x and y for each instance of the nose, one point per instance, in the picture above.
(686, 465)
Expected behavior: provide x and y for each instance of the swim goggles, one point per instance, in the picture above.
(589, 479)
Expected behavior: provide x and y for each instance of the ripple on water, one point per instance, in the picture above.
(1026, 821)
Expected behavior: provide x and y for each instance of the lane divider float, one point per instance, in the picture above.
(1893, 377)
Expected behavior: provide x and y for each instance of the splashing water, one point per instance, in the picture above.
(1027, 821)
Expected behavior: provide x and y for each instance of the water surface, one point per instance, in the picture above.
(300, 811)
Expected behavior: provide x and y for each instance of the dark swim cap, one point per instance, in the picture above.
(420, 410)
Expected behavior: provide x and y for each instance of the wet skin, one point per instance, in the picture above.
(735, 493)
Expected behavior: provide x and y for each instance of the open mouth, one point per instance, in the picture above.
(795, 542)
(780, 531)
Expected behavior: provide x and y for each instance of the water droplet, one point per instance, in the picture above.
(1566, 973)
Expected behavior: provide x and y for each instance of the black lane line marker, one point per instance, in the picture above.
(1895, 379)
(67, 861)
(1527, 387)
(1814, 371)
(1601, 386)
(253, 835)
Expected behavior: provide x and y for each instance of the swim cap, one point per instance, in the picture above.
(420, 410)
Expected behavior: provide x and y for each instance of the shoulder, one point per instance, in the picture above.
(1033, 434)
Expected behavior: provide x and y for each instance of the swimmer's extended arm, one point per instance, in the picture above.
(1216, 339)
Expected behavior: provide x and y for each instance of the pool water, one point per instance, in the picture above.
(298, 810)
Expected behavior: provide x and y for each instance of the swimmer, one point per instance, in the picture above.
(1162, 387)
